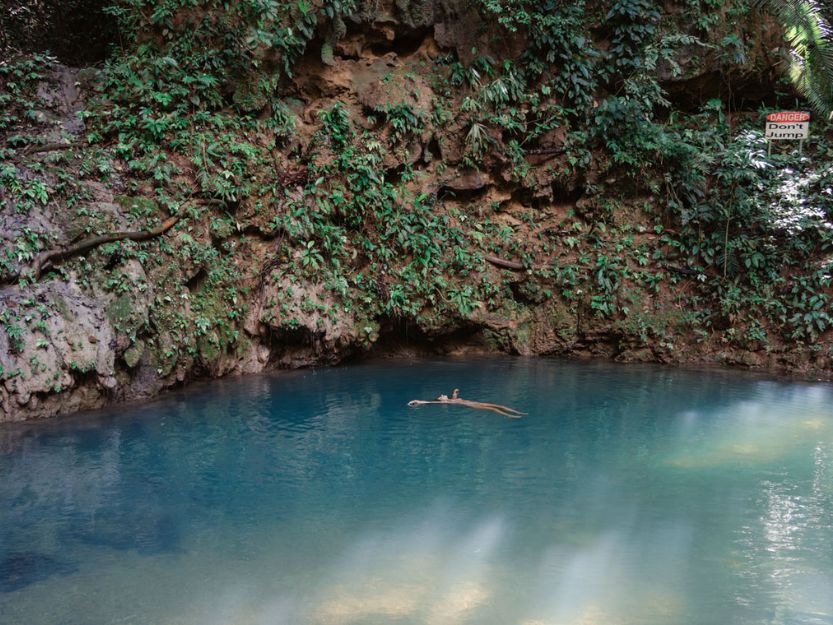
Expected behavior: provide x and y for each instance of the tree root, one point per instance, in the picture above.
(47, 259)
(505, 264)
(49, 147)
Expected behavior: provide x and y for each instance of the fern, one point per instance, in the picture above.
(327, 53)
(808, 28)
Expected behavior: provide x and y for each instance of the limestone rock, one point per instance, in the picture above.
(306, 323)
(50, 350)
(468, 180)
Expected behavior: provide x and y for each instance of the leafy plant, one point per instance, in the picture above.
(808, 27)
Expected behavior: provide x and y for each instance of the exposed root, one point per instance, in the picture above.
(505, 264)
(50, 147)
(47, 259)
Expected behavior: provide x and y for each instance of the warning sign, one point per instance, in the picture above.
(787, 125)
(788, 116)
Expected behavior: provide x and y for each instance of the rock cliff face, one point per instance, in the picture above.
(544, 248)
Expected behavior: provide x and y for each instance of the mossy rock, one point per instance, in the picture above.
(562, 319)
(156, 356)
(221, 228)
(134, 354)
(415, 13)
(208, 349)
(120, 312)
(61, 307)
(367, 11)
(521, 336)
(137, 205)
(367, 330)
(251, 94)
(242, 346)
(88, 77)
(496, 340)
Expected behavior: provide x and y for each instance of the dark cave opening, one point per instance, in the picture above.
(78, 32)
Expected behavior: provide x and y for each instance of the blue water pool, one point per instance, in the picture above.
(628, 495)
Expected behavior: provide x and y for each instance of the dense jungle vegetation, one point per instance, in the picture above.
(554, 176)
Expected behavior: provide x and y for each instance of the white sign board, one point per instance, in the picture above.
(787, 125)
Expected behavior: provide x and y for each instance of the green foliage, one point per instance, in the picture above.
(237, 35)
(19, 77)
(560, 50)
(404, 122)
(746, 218)
(14, 332)
(464, 300)
(608, 197)
(808, 26)
(75, 30)
(627, 131)
(336, 125)
(634, 24)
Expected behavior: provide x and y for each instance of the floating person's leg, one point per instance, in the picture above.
(488, 406)
(501, 410)
(504, 410)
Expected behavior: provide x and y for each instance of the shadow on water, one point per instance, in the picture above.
(147, 532)
(19, 570)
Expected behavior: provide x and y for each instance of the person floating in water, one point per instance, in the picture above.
(478, 405)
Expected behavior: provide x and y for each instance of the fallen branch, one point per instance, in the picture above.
(547, 151)
(49, 257)
(506, 264)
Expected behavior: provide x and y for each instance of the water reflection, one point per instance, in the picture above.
(764, 430)
(628, 495)
(429, 574)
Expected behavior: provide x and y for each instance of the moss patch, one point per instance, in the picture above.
(137, 206)
(134, 354)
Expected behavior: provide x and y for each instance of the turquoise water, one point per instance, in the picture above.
(628, 495)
